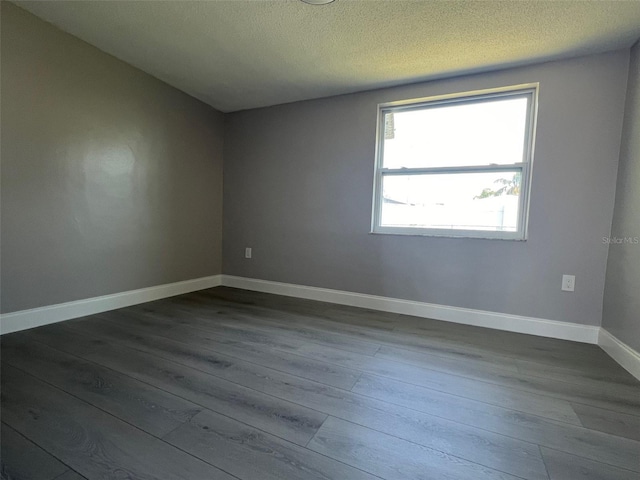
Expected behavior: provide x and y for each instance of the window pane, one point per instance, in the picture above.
(467, 201)
(480, 133)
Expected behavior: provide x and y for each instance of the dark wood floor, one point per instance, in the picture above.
(225, 384)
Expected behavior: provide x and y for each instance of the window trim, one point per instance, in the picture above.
(525, 166)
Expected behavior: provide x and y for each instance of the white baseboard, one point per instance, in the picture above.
(480, 318)
(36, 317)
(622, 353)
(25, 319)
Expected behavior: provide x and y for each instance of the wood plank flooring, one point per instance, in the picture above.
(231, 384)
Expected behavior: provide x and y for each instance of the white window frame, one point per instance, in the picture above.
(530, 91)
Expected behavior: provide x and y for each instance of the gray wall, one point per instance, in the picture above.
(111, 179)
(298, 188)
(622, 289)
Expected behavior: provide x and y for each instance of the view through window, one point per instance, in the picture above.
(458, 166)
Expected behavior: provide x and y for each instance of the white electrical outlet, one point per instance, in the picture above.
(247, 252)
(568, 283)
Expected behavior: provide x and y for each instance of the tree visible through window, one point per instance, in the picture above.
(456, 166)
(509, 187)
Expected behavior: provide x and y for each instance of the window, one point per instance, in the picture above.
(456, 166)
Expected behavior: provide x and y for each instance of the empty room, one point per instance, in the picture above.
(320, 240)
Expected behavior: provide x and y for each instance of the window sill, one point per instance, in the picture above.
(474, 236)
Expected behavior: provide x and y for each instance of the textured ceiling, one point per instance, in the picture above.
(239, 54)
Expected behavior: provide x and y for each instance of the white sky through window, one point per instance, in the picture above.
(468, 134)
(453, 135)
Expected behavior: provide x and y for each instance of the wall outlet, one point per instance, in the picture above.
(568, 283)
(247, 252)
